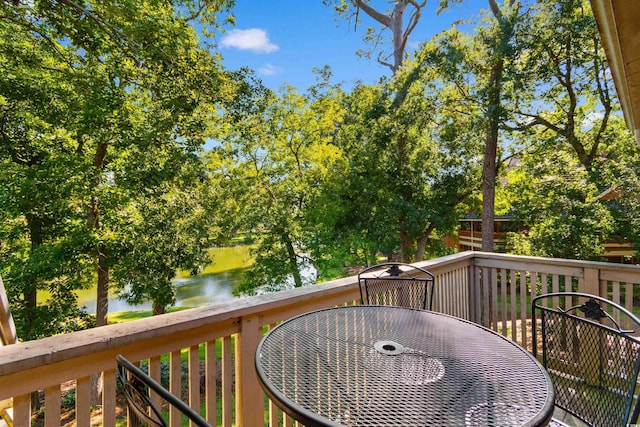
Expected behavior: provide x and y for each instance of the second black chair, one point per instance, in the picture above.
(591, 350)
(142, 412)
(396, 283)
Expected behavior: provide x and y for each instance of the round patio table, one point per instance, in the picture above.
(391, 366)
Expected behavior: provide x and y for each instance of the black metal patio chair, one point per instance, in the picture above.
(396, 283)
(590, 347)
(142, 412)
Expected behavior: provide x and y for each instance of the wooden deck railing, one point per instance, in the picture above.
(492, 289)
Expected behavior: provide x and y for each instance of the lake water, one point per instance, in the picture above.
(201, 290)
(194, 292)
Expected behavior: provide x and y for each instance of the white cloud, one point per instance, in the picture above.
(269, 70)
(253, 39)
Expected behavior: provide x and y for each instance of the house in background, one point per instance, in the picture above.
(469, 238)
(470, 232)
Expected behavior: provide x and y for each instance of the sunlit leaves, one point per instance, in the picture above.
(104, 110)
(274, 162)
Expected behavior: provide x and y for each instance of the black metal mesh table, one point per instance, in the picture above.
(392, 366)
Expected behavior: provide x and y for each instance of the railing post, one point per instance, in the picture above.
(474, 292)
(249, 396)
(109, 389)
(592, 282)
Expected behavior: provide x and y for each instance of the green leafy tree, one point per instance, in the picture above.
(568, 94)
(113, 107)
(274, 160)
(397, 127)
(476, 72)
(572, 132)
(558, 206)
(400, 201)
(41, 180)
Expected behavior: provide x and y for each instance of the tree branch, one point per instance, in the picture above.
(201, 6)
(380, 17)
(413, 19)
(605, 98)
(539, 120)
(381, 61)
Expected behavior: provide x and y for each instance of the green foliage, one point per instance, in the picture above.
(274, 162)
(576, 150)
(560, 208)
(392, 198)
(103, 112)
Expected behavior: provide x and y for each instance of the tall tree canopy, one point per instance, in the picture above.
(402, 196)
(399, 201)
(103, 111)
(277, 158)
(577, 155)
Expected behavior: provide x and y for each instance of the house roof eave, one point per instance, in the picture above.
(618, 26)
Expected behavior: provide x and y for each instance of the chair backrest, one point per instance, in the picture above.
(396, 283)
(590, 347)
(136, 385)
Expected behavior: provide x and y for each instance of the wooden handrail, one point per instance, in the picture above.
(488, 288)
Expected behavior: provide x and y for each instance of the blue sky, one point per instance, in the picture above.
(283, 40)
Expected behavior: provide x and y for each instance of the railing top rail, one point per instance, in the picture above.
(446, 260)
(605, 266)
(109, 338)
(28, 354)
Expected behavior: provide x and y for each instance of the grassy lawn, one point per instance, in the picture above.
(126, 316)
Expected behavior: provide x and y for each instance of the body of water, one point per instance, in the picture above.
(194, 291)
(204, 289)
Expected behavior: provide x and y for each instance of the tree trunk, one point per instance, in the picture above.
(489, 183)
(102, 297)
(30, 296)
(406, 245)
(494, 106)
(102, 300)
(490, 154)
(422, 243)
(406, 192)
(293, 262)
(158, 309)
(93, 223)
(399, 38)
